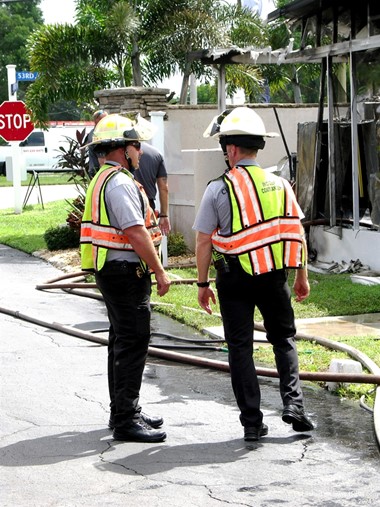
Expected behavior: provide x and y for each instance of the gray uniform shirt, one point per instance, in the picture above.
(123, 201)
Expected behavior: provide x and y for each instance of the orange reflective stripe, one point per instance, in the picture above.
(293, 253)
(278, 229)
(266, 231)
(262, 260)
(290, 206)
(96, 230)
(246, 195)
(96, 191)
(109, 237)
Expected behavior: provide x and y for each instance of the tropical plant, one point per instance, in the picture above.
(75, 158)
(119, 43)
(70, 67)
(103, 49)
(198, 25)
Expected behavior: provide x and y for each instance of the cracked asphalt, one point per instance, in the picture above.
(56, 449)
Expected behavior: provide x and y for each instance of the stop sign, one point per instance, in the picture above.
(15, 124)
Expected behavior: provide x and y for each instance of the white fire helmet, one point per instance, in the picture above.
(237, 122)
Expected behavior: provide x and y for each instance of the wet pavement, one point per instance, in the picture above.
(56, 449)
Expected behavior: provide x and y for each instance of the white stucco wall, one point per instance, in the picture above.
(193, 160)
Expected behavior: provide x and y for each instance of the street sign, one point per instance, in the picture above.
(26, 75)
(15, 124)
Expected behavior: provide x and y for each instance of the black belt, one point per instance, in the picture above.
(120, 266)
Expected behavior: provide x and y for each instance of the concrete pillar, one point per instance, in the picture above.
(158, 141)
(157, 119)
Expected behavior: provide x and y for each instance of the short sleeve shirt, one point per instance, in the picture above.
(151, 167)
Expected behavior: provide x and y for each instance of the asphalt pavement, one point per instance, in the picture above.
(36, 195)
(56, 449)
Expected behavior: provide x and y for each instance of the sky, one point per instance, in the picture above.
(66, 10)
(64, 13)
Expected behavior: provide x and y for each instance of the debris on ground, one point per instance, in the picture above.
(361, 273)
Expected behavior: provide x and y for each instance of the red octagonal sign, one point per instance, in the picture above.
(15, 124)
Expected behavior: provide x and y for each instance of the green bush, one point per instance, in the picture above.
(61, 238)
(176, 245)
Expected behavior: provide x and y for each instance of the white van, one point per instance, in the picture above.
(40, 151)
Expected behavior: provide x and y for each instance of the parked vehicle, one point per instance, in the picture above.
(40, 150)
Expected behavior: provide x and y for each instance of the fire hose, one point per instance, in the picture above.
(372, 378)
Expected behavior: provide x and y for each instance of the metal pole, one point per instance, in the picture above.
(354, 143)
(331, 143)
(15, 149)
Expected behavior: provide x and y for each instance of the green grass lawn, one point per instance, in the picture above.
(25, 231)
(331, 295)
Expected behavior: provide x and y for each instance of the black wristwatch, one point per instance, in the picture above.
(203, 284)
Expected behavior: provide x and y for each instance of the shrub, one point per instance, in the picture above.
(176, 244)
(61, 238)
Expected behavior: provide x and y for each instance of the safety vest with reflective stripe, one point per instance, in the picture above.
(266, 231)
(97, 234)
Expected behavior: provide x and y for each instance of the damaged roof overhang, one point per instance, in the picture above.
(339, 14)
(329, 10)
(256, 56)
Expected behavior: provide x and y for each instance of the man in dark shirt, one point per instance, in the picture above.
(152, 172)
(93, 162)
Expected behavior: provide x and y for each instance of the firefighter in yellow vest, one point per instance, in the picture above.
(249, 225)
(119, 241)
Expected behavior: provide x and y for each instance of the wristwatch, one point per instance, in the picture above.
(203, 284)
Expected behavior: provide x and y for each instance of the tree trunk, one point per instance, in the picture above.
(185, 82)
(296, 87)
(120, 68)
(136, 67)
(184, 89)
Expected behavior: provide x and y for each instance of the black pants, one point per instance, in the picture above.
(239, 293)
(127, 298)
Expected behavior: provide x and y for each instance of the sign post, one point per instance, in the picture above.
(15, 126)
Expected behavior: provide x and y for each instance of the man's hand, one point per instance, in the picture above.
(204, 296)
(163, 283)
(301, 285)
(164, 225)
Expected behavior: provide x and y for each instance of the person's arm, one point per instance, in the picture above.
(301, 285)
(203, 253)
(142, 244)
(163, 192)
